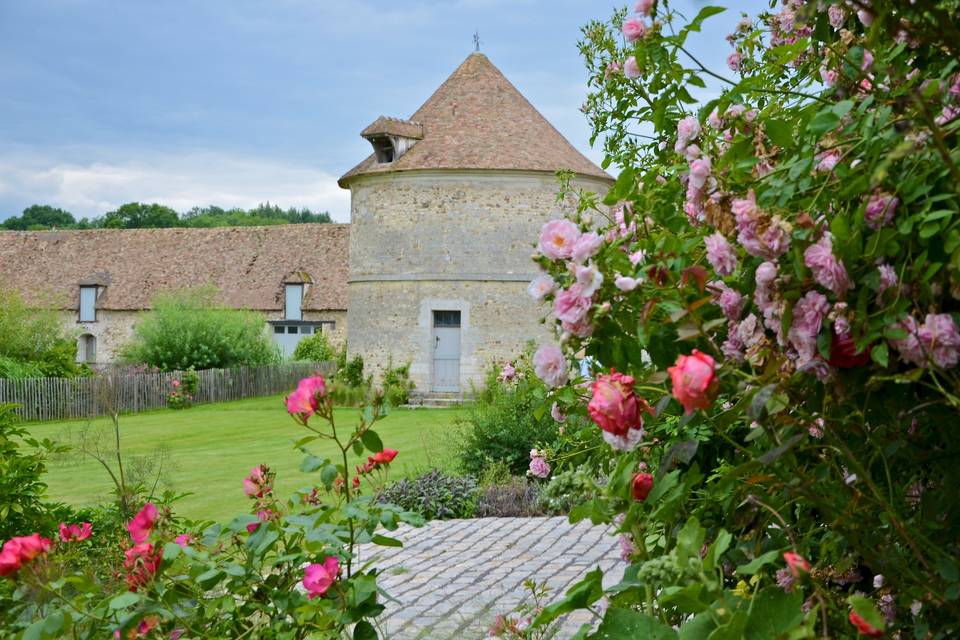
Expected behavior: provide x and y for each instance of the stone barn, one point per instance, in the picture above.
(444, 214)
(102, 280)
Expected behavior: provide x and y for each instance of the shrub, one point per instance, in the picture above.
(33, 342)
(188, 329)
(506, 422)
(514, 498)
(315, 348)
(434, 495)
(184, 390)
(350, 371)
(397, 384)
(567, 489)
(23, 506)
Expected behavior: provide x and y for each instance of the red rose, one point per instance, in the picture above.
(694, 381)
(642, 484)
(843, 353)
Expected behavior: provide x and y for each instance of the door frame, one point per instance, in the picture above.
(434, 339)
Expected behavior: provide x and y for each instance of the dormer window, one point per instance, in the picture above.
(88, 304)
(293, 301)
(392, 137)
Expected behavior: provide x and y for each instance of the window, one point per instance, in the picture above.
(278, 328)
(293, 300)
(87, 349)
(446, 318)
(292, 328)
(306, 329)
(88, 303)
(383, 149)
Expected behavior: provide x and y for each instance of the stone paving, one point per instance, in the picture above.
(452, 577)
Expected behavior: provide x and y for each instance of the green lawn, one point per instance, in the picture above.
(210, 448)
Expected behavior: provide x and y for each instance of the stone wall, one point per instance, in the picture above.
(112, 330)
(446, 240)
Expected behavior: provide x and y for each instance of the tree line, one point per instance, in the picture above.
(137, 215)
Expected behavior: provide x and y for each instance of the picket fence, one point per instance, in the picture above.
(98, 395)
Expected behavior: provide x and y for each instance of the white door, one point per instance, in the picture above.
(446, 351)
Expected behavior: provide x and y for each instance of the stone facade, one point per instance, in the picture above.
(448, 241)
(111, 331)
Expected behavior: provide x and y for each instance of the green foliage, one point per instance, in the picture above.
(567, 489)
(188, 329)
(350, 370)
(434, 495)
(39, 216)
(135, 215)
(33, 342)
(505, 423)
(397, 384)
(23, 506)
(261, 215)
(183, 390)
(314, 348)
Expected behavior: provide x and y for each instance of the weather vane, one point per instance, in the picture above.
(476, 39)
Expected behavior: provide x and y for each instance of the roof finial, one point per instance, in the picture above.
(476, 39)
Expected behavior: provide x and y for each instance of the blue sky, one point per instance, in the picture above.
(235, 102)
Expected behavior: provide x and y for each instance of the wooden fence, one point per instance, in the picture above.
(65, 398)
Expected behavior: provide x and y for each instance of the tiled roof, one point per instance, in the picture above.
(393, 126)
(248, 265)
(478, 120)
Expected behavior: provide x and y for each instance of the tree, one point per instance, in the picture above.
(135, 215)
(40, 216)
(33, 342)
(189, 328)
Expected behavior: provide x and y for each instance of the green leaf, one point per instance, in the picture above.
(717, 549)
(773, 613)
(824, 121)
(685, 599)
(948, 569)
(372, 441)
(312, 463)
(626, 624)
(879, 354)
(357, 447)
(780, 132)
(124, 600)
(758, 563)
(364, 631)
(867, 610)
(579, 596)
(385, 541)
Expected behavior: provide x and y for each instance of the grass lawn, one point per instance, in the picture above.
(210, 448)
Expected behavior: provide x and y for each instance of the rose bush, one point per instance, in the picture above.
(288, 570)
(772, 321)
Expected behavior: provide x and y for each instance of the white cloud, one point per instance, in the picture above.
(184, 180)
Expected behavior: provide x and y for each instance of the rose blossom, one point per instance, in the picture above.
(880, 209)
(557, 414)
(641, 486)
(613, 68)
(827, 270)
(141, 563)
(142, 524)
(888, 278)
(634, 28)
(837, 16)
(733, 61)
(571, 305)
(257, 483)
(827, 161)
(616, 410)
(625, 283)
(643, 7)
(720, 254)
(630, 68)
(304, 401)
(386, 456)
(557, 239)
(864, 628)
(699, 172)
(796, 563)
(940, 339)
(585, 247)
(75, 532)
(184, 539)
(541, 286)
(581, 329)
(729, 300)
(808, 314)
(694, 380)
(687, 129)
(539, 468)
(589, 278)
(20, 550)
(318, 578)
(550, 365)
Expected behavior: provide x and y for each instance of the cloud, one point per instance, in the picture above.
(184, 180)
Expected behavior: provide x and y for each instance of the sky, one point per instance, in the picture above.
(237, 102)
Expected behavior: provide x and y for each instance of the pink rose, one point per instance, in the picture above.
(541, 286)
(625, 283)
(75, 532)
(581, 329)
(571, 305)
(258, 483)
(941, 340)
(797, 564)
(630, 68)
(687, 129)
(613, 68)
(539, 468)
(694, 380)
(643, 7)
(589, 279)
(20, 550)
(634, 29)
(614, 406)
(699, 172)
(141, 562)
(880, 209)
(733, 61)
(837, 16)
(826, 269)
(586, 247)
(184, 539)
(557, 414)
(550, 365)
(305, 401)
(318, 578)
(142, 523)
(720, 254)
(557, 239)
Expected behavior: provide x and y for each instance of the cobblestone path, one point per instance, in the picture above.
(452, 577)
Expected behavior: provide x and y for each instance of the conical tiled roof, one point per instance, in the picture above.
(478, 120)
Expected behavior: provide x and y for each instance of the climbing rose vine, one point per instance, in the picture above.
(762, 348)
